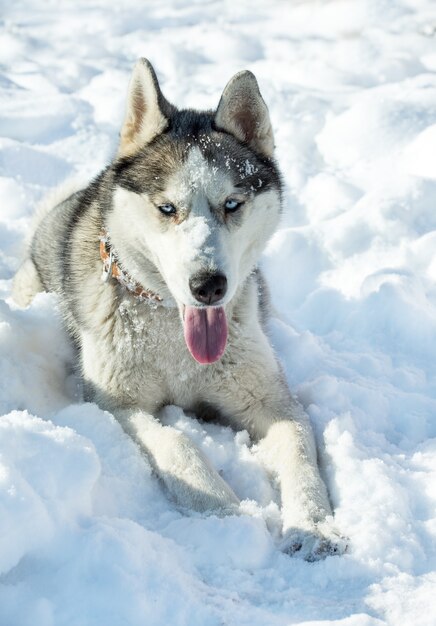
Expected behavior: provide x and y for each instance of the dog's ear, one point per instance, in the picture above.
(243, 113)
(147, 110)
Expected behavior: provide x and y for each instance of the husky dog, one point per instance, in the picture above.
(154, 264)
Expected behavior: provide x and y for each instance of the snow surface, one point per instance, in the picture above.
(87, 536)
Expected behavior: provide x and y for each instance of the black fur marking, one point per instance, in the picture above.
(97, 193)
(148, 170)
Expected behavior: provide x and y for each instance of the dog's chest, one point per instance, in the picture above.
(149, 344)
(142, 358)
(150, 333)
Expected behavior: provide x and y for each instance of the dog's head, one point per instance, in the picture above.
(196, 197)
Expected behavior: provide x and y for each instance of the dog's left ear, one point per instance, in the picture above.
(243, 113)
(147, 110)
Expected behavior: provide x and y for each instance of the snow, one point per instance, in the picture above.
(87, 535)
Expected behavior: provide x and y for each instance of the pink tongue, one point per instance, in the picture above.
(205, 333)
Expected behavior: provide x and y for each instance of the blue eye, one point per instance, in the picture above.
(232, 205)
(167, 209)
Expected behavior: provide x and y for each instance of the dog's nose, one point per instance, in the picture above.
(208, 288)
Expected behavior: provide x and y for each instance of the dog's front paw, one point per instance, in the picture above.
(315, 543)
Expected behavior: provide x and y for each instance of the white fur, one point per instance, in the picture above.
(26, 284)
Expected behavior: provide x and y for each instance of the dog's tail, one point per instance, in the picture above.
(26, 282)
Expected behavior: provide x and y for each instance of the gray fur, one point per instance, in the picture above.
(131, 353)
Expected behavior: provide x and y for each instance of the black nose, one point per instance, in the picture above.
(208, 288)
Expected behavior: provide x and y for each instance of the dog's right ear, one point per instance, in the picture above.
(147, 110)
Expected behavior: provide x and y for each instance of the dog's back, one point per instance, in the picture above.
(48, 235)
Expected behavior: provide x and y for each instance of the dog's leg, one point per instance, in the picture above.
(288, 451)
(184, 470)
(181, 466)
(257, 398)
